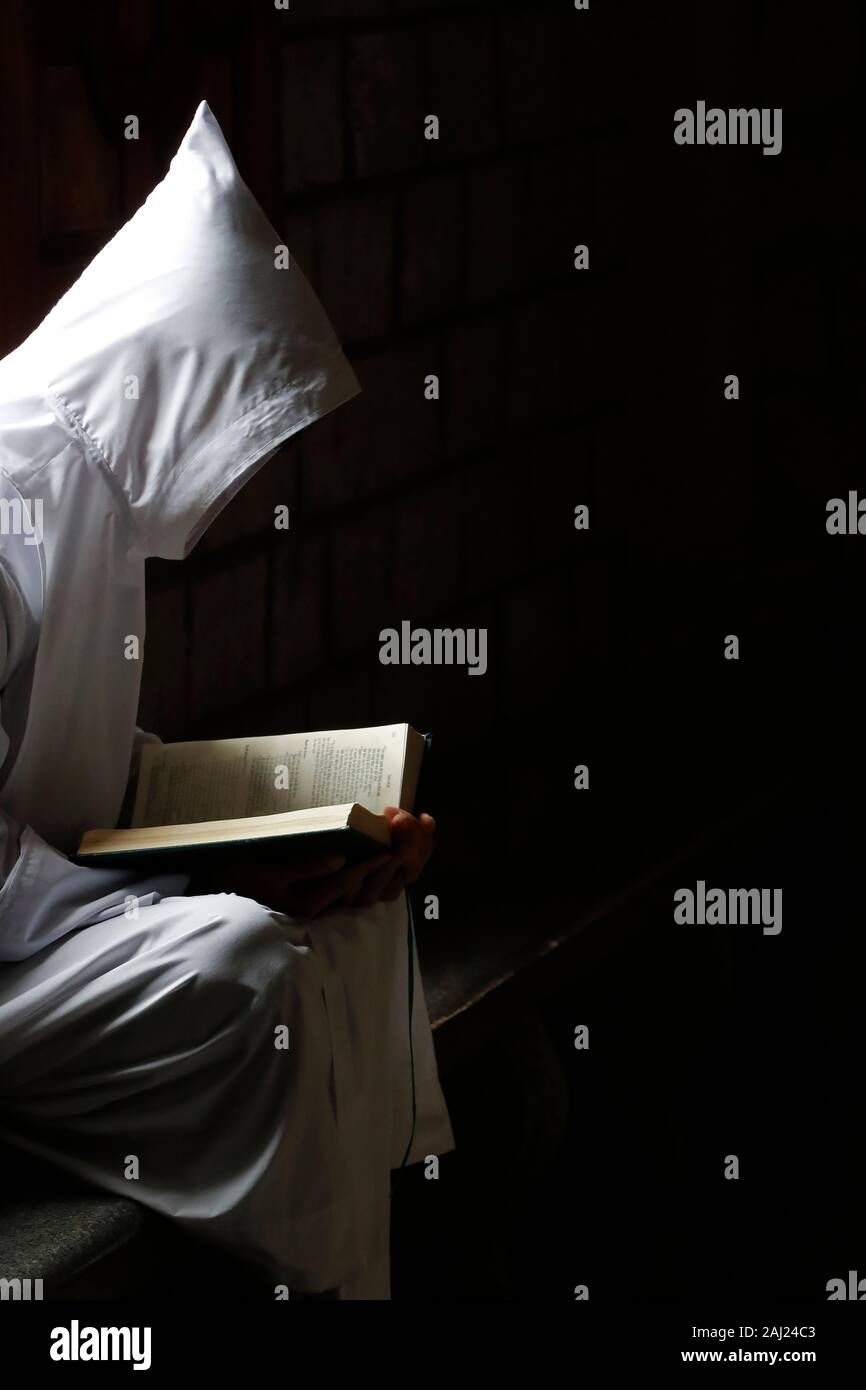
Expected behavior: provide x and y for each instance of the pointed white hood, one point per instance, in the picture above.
(188, 351)
(169, 372)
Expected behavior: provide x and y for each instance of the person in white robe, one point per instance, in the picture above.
(139, 1014)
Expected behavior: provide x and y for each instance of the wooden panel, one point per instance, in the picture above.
(78, 169)
(71, 74)
(216, 87)
(19, 205)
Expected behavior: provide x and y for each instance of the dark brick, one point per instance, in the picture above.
(356, 249)
(539, 639)
(513, 518)
(387, 433)
(461, 85)
(541, 810)
(339, 9)
(780, 213)
(426, 562)
(400, 7)
(714, 503)
(227, 657)
(560, 350)
(681, 637)
(621, 483)
(810, 55)
(792, 320)
(539, 342)
(432, 267)
(279, 712)
(162, 707)
(78, 175)
(725, 345)
(673, 503)
(643, 570)
(443, 699)
(312, 138)
(298, 233)
(806, 450)
(591, 588)
(296, 637)
(492, 540)
(599, 91)
(610, 221)
(386, 102)
(474, 387)
(849, 307)
(572, 353)
(537, 47)
(497, 260)
(340, 697)
(360, 557)
(560, 210)
(666, 636)
(784, 565)
(599, 353)
(721, 54)
(465, 840)
(563, 478)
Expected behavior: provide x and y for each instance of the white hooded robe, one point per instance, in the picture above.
(135, 1021)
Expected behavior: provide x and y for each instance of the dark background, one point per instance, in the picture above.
(707, 517)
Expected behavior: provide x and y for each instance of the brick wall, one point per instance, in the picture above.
(557, 387)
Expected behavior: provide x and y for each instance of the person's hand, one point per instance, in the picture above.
(412, 844)
(314, 885)
(300, 886)
(380, 879)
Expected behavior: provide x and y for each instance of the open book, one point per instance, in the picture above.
(224, 794)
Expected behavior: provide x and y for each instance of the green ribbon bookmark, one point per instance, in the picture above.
(410, 937)
(410, 954)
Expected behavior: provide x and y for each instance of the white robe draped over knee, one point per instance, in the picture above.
(138, 1022)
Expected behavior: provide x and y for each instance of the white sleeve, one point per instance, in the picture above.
(43, 896)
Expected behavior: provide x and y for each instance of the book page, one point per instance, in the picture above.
(220, 779)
